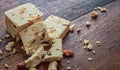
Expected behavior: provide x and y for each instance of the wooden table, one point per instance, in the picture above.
(106, 28)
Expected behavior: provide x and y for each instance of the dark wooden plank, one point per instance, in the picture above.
(69, 9)
(106, 29)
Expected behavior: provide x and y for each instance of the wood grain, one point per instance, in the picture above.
(105, 29)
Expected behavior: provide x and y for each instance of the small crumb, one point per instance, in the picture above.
(93, 51)
(1, 52)
(68, 68)
(88, 24)
(102, 9)
(9, 46)
(68, 61)
(90, 59)
(80, 40)
(71, 27)
(7, 35)
(1, 40)
(94, 14)
(86, 41)
(78, 30)
(98, 43)
(90, 47)
(6, 66)
(34, 28)
(77, 69)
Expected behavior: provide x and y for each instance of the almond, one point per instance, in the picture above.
(21, 65)
(68, 53)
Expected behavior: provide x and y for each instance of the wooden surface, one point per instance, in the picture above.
(106, 28)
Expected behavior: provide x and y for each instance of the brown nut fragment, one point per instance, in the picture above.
(94, 14)
(21, 65)
(7, 66)
(68, 53)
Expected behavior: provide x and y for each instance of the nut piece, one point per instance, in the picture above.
(93, 51)
(9, 46)
(94, 14)
(102, 9)
(98, 43)
(89, 47)
(21, 65)
(86, 41)
(68, 68)
(80, 40)
(88, 24)
(90, 59)
(71, 27)
(68, 53)
(7, 35)
(6, 66)
(1, 52)
(78, 30)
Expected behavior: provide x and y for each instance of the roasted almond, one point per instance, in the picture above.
(68, 53)
(21, 65)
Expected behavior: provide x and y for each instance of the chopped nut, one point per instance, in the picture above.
(34, 28)
(103, 10)
(98, 43)
(68, 68)
(71, 27)
(31, 16)
(9, 46)
(36, 33)
(94, 14)
(6, 66)
(38, 17)
(80, 40)
(88, 24)
(7, 35)
(86, 41)
(1, 40)
(1, 52)
(68, 61)
(93, 51)
(68, 53)
(89, 47)
(30, 22)
(78, 30)
(90, 59)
